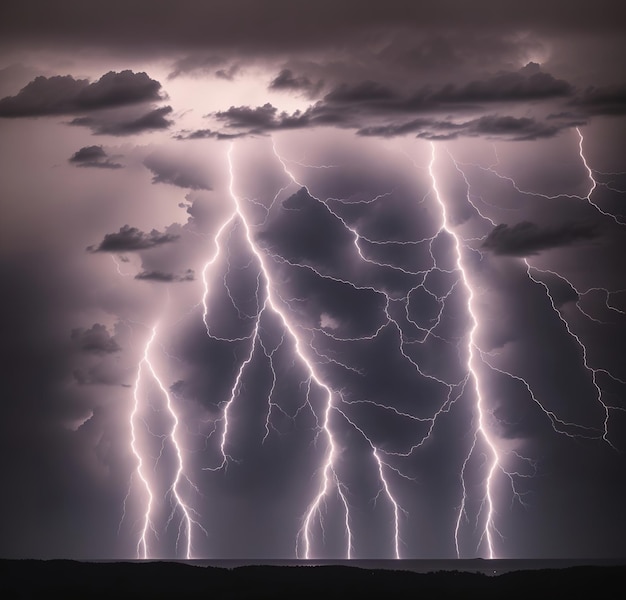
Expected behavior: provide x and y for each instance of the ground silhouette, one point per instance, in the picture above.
(70, 579)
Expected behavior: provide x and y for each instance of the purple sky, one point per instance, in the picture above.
(334, 279)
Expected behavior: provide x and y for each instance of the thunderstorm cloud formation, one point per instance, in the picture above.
(312, 280)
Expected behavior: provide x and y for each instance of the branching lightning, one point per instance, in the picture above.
(390, 464)
(329, 478)
(534, 274)
(482, 431)
(188, 520)
(560, 426)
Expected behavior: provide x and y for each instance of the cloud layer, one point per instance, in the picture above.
(131, 239)
(60, 95)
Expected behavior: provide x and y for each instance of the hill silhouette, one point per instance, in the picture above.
(39, 579)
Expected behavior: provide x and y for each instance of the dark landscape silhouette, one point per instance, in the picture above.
(156, 579)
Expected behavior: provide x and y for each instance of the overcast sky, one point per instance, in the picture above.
(327, 279)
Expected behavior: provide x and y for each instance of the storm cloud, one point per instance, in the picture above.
(119, 125)
(65, 95)
(610, 100)
(526, 238)
(286, 80)
(437, 113)
(131, 239)
(165, 277)
(221, 26)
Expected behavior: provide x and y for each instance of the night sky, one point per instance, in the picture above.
(327, 280)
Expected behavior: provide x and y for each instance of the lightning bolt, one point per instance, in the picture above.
(482, 432)
(592, 181)
(455, 389)
(272, 302)
(593, 372)
(188, 517)
(338, 408)
(534, 274)
(118, 265)
(593, 184)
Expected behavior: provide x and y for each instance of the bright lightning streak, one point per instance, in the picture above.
(308, 353)
(142, 544)
(314, 508)
(455, 390)
(188, 520)
(594, 183)
(357, 237)
(482, 430)
(593, 372)
(560, 426)
(329, 474)
(329, 478)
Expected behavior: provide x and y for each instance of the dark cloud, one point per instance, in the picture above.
(529, 83)
(93, 156)
(118, 89)
(421, 125)
(44, 96)
(506, 126)
(609, 100)
(261, 118)
(165, 277)
(66, 95)
(286, 80)
(199, 63)
(203, 134)
(199, 134)
(88, 154)
(503, 126)
(266, 118)
(228, 74)
(150, 121)
(96, 340)
(526, 238)
(516, 128)
(367, 91)
(444, 51)
(282, 24)
(130, 239)
(202, 64)
(177, 170)
(356, 105)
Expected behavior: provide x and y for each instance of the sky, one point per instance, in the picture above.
(312, 280)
